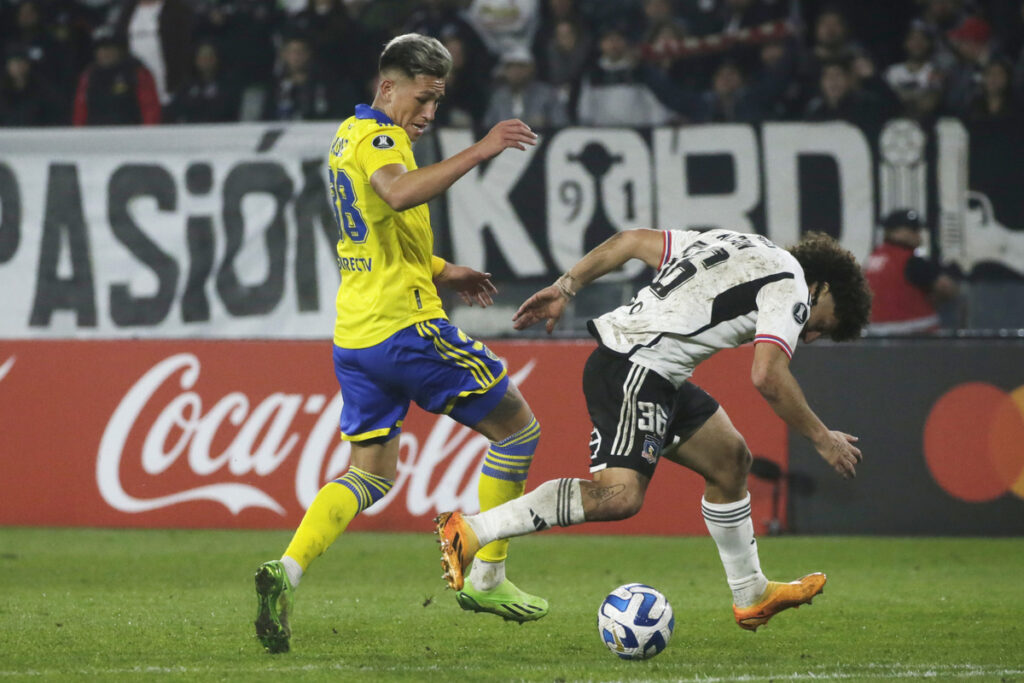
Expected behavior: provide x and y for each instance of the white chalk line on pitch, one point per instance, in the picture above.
(869, 671)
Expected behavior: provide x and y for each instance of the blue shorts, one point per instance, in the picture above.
(433, 363)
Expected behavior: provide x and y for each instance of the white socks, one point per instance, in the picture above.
(293, 570)
(733, 531)
(556, 502)
(486, 575)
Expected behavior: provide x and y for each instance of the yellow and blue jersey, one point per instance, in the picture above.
(384, 255)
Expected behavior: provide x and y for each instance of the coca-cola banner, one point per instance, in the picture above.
(226, 232)
(237, 434)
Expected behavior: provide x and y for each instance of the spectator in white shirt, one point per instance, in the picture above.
(616, 91)
(917, 82)
(521, 96)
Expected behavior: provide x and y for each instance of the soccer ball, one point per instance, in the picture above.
(635, 621)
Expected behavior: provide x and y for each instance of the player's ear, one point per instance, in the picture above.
(386, 86)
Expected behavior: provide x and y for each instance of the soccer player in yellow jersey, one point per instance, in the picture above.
(392, 340)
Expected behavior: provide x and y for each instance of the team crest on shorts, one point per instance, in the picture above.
(650, 450)
(383, 142)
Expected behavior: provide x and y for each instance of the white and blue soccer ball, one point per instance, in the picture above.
(635, 621)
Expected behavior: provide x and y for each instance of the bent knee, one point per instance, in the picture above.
(733, 464)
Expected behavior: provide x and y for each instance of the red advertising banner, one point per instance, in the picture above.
(242, 434)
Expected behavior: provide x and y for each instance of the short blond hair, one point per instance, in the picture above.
(414, 54)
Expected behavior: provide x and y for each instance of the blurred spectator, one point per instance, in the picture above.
(662, 38)
(116, 89)
(564, 34)
(51, 60)
(566, 55)
(333, 36)
(244, 30)
(880, 25)
(441, 18)
(301, 94)
(733, 98)
(727, 101)
(906, 287)
(159, 35)
(867, 80)
(917, 82)
(521, 96)
(209, 97)
(466, 88)
(971, 41)
(838, 99)
(504, 25)
(832, 43)
(616, 91)
(71, 26)
(701, 18)
(657, 14)
(553, 12)
(25, 98)
(740, 15)
(995, 101)
(1007, 18)
(940, 17)
(779, 64)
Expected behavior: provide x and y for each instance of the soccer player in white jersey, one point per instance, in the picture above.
(712, 290)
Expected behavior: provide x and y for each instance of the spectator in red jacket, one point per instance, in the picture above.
(906, 287)
(116, 89)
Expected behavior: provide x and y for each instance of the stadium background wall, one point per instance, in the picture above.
(241, 434)
(166, 296)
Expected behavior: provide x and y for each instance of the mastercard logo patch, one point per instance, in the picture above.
(974, 442)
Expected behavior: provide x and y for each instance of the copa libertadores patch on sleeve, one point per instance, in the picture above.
(800, 313)
(383, 142)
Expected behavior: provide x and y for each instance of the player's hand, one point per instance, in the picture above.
(838, 450)
(509, 133)
(471, 285)
(549, 303)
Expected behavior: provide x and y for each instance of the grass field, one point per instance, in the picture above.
(112, 604)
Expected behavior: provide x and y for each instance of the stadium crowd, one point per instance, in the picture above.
(550, 62)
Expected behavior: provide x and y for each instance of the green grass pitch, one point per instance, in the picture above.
(178, 605)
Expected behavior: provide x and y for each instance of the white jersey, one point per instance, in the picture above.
(713, 290)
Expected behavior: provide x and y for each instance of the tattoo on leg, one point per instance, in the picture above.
(606, 492)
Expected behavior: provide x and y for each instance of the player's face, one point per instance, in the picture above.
(412, 102)
(822, 319)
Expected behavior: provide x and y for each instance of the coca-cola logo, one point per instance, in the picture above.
(262, 436)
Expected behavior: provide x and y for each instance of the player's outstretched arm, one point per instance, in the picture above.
(402, 189)
(471, 285)
(770, 374)
(549, 303)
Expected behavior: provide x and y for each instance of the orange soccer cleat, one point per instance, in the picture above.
(458, 546)
(777, 597)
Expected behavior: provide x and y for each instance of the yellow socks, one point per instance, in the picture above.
(503, 478)
(337, 504)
